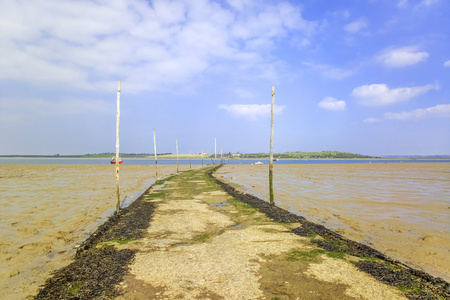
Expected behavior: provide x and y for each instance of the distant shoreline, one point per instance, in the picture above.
(209, 156)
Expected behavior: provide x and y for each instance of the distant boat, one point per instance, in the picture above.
(275, 159)
(258, 163)
(113, 161)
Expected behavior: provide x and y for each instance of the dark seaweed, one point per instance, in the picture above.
(302, 231)
(95, 272)
(416, 284)
(126, 225)
(92, 276)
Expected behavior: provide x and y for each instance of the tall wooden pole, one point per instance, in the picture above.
(156, 159)
(117, 150)
(202, 158)
(215, 151)
(176, 140)
(221, 160)
(190, 154)
(271, 151)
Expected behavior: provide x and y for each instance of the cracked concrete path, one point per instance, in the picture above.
(204, 244)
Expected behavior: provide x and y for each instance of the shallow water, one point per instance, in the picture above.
(399, 209)
(48, 209)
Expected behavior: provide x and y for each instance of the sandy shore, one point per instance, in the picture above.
(48, 209)
(399, 209)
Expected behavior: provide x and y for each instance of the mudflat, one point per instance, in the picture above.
(400, 209)
(189, 239)
(48, 209)
(203, 243)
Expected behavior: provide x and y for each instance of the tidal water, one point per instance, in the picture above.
(206, 161)
(401, 209)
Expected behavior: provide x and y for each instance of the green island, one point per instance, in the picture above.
(307, 155)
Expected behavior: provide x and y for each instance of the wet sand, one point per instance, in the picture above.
(48, 209)
(399, 209)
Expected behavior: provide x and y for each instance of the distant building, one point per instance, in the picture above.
(235, 154)
(204, 153)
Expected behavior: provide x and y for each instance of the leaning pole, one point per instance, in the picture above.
(117, 150)
(271, 151)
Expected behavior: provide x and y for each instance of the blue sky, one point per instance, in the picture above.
(371, 77)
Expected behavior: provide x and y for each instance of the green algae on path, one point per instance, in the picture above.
(203, 243)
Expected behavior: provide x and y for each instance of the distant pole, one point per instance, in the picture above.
(202, 158)
(221, 160)
(117, 150)
(176, 141)
(156, 159)
(215, 151)
(190, 154)
(271, 151)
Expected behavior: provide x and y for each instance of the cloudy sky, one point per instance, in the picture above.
(364, 76)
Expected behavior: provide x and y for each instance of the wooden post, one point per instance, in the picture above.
(176, 140)
(202, 158)
(117, 151)
(271, 151)
(156, 159)
(221, 160)
(215, 151)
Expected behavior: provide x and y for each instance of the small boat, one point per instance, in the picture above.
(275, 159)
(258, 163)
(113, 161)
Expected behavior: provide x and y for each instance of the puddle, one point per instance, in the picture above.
(236, 226)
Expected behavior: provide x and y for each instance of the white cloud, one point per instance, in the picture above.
(401, 57)
(356, 26)
(330, 103)
(426, 3)
(336, 73)
(422, 4)
(342, 14)
(447, 63)
(402, 3)
(331, 71)
(252, 111)
(381, 94)
(438, 111)
(292, 18)
(63, 107)
(300, 43)
(241, 4)
(149, 45)
(371, 120)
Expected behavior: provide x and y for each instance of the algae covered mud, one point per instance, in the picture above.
(400, 209)
(48, 209)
